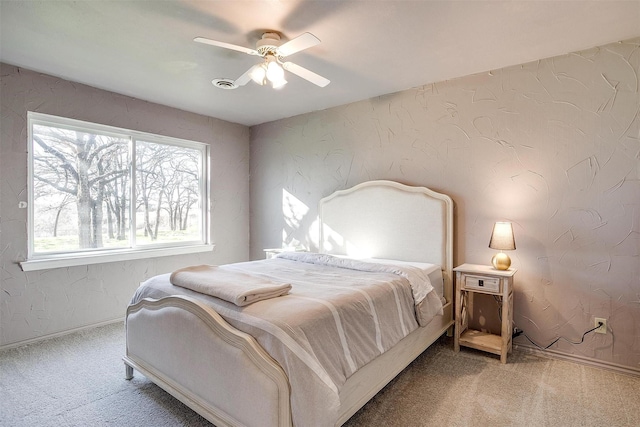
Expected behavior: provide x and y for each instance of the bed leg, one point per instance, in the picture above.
(450, 331)
(128, 372)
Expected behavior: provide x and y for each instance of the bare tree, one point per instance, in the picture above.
(182, 188)
(151, 180)
(79, 164)
(117, 199)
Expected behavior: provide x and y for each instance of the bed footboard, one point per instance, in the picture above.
(237, 383)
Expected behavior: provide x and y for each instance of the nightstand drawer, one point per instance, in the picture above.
(488, 284)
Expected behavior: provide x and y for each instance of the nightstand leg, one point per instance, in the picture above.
(458, 305)
(506, 323)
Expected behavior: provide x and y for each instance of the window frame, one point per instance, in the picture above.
(46, 260)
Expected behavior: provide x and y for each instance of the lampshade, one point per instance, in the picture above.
(274, 71)
(277, 84)
(259, 74)
(502, 237)
(503, 240)
(269, 71)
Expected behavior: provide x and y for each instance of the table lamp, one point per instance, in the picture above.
(503, 240)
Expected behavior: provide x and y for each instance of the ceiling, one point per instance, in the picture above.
(145, 49)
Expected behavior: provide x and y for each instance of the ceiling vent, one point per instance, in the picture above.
(224, 83)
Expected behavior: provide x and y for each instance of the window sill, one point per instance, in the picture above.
(94, 258)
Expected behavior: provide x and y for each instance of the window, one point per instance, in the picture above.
(97, 192)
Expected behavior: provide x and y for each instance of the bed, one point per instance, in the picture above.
(182, 343)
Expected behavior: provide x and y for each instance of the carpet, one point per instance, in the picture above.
(78, 380)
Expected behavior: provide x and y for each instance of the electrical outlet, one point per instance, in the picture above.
(602, 329)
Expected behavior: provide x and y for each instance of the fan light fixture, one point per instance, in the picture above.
(270, 71)
(503, 240)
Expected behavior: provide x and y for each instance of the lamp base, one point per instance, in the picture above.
(501, 261)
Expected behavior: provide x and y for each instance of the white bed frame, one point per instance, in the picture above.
(227, 377)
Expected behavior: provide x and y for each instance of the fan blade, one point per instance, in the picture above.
(226, 45)
(302, 42)
(246, 77)
(306, 74)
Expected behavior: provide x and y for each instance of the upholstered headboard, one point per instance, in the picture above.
(386, 219)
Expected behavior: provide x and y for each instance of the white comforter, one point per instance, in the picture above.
(334, 321)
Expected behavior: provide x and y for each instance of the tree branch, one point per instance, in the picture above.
(59, 155)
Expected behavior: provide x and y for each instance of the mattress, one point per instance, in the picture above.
(433, 271)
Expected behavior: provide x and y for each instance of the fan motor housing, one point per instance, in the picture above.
(269, 43)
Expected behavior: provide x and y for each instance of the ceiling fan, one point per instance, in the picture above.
(271, 70)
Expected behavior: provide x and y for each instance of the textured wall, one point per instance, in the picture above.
(39, 303)
(551, 145)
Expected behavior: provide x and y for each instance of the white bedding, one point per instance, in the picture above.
(334, 321)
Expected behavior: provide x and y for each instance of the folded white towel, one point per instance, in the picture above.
(238, 288)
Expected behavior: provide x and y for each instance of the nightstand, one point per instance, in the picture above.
(471, 280)
(273, 252)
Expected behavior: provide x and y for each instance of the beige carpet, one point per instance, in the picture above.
(78, 380)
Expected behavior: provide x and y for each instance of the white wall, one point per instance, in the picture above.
(40, 303)
(553, 146)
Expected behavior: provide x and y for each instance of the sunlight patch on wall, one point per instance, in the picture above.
(313, 235)
(335, 243)
(293, 212)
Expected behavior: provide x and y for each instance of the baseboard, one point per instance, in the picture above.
(579, 359)
(60, 334)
